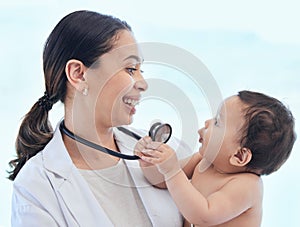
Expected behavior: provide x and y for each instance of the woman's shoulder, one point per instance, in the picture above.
(31, 171)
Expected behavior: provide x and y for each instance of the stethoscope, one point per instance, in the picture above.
(159, 132)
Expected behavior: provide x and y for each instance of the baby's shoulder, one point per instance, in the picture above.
(249, 182)
(248, 177)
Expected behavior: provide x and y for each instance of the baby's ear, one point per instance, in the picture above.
(241, 158)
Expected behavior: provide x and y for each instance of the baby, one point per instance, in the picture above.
(251, 135)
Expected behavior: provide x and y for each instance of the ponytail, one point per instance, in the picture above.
(34, 133)
(82, 35)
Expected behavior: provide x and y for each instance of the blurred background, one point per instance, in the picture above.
(251, 45)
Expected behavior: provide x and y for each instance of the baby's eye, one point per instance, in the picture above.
(216, 121)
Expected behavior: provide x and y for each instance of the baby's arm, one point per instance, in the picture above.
(189, 164)
(235, 197)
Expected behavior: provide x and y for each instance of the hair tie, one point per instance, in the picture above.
(45, 102)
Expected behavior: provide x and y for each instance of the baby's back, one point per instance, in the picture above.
(235, 199)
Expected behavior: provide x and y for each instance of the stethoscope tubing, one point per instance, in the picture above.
(70, 134)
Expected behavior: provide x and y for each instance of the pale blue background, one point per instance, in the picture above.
(245, 44)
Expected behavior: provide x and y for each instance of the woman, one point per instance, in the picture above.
(92, 64)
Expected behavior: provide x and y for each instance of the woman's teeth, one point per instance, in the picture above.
(131, 102)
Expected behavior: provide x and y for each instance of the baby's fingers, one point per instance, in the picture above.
(141, 144)
(138, 153)
(154, 145)
(152, 156)
(149, 159)
(152, 153)
(147, 139)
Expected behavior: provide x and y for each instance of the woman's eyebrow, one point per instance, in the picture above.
(135, 57)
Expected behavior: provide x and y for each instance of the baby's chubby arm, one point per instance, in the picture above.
(219, 207)
(150, 157)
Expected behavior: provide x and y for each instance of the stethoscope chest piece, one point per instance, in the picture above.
(160, 132)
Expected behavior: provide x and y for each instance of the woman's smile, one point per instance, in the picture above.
(130, 103)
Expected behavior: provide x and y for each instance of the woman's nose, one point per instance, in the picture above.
(140, 83)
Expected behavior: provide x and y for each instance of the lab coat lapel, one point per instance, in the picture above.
(149, 195)
(77, 201)
(80, 203)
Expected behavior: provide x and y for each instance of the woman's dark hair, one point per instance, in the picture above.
(81, 35)
(268, 132)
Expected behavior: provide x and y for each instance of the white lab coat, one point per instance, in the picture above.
(50, 191)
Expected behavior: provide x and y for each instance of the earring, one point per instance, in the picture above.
(85, 91)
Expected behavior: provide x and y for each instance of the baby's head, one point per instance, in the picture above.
(268, 132)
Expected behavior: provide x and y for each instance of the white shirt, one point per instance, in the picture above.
(50, 191)
(115, 191)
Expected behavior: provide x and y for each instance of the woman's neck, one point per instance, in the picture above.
(85, 157)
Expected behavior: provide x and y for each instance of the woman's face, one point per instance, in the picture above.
(116, 83)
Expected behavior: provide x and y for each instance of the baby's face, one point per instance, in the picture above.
(220, 137)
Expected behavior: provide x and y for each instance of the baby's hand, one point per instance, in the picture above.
(141, 145)
(140, 150)
(163, 156)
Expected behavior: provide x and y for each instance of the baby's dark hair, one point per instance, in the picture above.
(268, 132)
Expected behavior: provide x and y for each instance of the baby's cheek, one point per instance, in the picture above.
(201, 149)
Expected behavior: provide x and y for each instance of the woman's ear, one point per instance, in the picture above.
(241, 158)
(75, 70)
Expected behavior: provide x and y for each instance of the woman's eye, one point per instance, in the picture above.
(131, 71)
